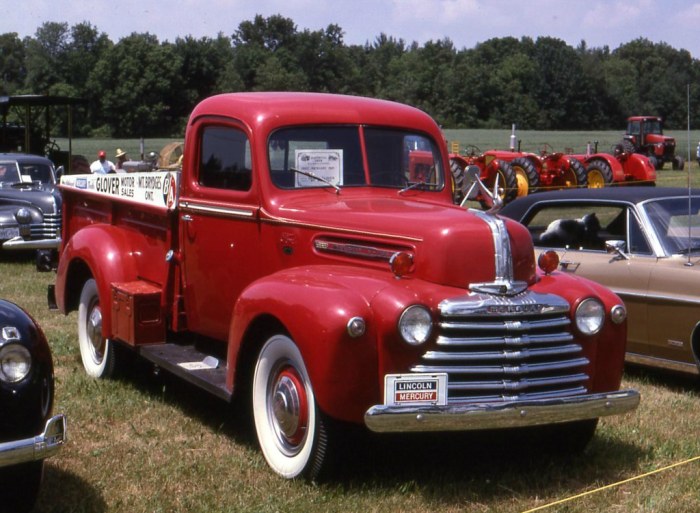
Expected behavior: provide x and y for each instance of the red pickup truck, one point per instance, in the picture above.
(309, 256)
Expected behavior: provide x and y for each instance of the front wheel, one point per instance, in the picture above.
(292, 432)
(599, 174)
(96, 351)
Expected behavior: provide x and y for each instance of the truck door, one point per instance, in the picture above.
(218, 226)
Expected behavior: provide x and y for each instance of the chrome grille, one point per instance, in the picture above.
(49, 229)
(497, 349)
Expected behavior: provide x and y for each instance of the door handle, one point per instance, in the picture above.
(187, 218)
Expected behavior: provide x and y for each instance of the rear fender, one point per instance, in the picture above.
(313, 305)
(103, 252)
(640, 168)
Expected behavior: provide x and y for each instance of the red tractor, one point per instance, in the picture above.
(619, 168)
(645, 135)
(491, 170)
(543, 171)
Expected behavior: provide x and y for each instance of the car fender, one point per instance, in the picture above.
(102, 251)
(313, 304)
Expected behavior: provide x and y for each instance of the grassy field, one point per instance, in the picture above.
(147, 443)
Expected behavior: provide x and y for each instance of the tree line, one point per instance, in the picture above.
(140, 86)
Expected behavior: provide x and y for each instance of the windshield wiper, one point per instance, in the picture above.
(316, 177)
(413, 185)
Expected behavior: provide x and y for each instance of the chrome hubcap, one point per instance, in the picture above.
(288, 405)
(94, 334)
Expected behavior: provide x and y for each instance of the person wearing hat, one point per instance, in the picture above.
(121, 158)
(102, 165)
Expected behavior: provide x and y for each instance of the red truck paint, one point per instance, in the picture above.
(244, 276)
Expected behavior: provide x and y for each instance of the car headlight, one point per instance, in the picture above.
(415, 325)
(23, 216)
(15, 363)
(590, 316)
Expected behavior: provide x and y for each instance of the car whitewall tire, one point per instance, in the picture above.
(96, 351)
(289, 426)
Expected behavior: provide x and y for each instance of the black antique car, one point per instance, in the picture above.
(28, 431)
(30, 206)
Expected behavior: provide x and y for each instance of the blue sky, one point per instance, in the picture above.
(465, 22)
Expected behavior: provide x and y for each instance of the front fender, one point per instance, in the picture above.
(101, 251)
(314, 304)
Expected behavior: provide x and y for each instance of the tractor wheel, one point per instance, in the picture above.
(574, 175)
(526, 176)
(678, 163)
(507, 183)
(658, 162)
(458, 176)
(653, 161)
(599, 174)
(626, 146)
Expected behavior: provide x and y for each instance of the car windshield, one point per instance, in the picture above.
(36, 173)
(331, 156)
(676, 222)
(9, 174)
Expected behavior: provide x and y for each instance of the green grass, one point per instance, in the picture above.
(147, 443)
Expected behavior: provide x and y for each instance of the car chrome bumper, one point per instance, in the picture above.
(480, 416)
(39, 447)
(19, 243)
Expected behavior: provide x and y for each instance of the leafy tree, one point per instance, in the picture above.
(136, 79)
(13, 69)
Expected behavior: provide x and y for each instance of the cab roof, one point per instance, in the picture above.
(269, 110)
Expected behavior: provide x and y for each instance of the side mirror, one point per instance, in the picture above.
(475, 187)
(617, 248)
(60, 170)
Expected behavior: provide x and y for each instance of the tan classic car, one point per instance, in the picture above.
(643, 243)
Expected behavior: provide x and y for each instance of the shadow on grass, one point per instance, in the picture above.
(673, 381)
(447, 469)
(64, 492)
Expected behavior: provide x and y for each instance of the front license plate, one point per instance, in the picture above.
(8, 233)
(414, 389)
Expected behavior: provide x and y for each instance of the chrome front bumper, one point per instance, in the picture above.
(39, 447)
(479, 416)
(19, 243)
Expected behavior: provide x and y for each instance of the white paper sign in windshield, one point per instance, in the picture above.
(326, 164)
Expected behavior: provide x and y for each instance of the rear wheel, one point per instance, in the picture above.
(574, 175)
(458, 176)
(599, 174)
(96, 351)
(292, 432)
(507, 182)
(526, 176)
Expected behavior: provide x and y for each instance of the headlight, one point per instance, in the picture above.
(415, 325)
(23, 216)
(590, 315)
(15, 363)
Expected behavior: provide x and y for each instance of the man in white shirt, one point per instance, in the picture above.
(102, 165)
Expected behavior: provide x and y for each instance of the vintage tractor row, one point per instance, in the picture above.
(617, 168)
(518, 173)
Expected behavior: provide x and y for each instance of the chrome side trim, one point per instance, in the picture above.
(269, 218)
(657, 297)
(39, 447)
(217, 210)
(479, 416)
(662, 363)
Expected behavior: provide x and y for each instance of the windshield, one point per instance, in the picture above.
(9, 174)
(36, 173)
(331, 156)
(676, 223)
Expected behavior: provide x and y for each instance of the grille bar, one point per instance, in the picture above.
(49, 229)
(500, 348)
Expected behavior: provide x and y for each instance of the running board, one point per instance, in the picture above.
(185, 361)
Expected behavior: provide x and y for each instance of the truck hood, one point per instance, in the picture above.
(450, 245)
